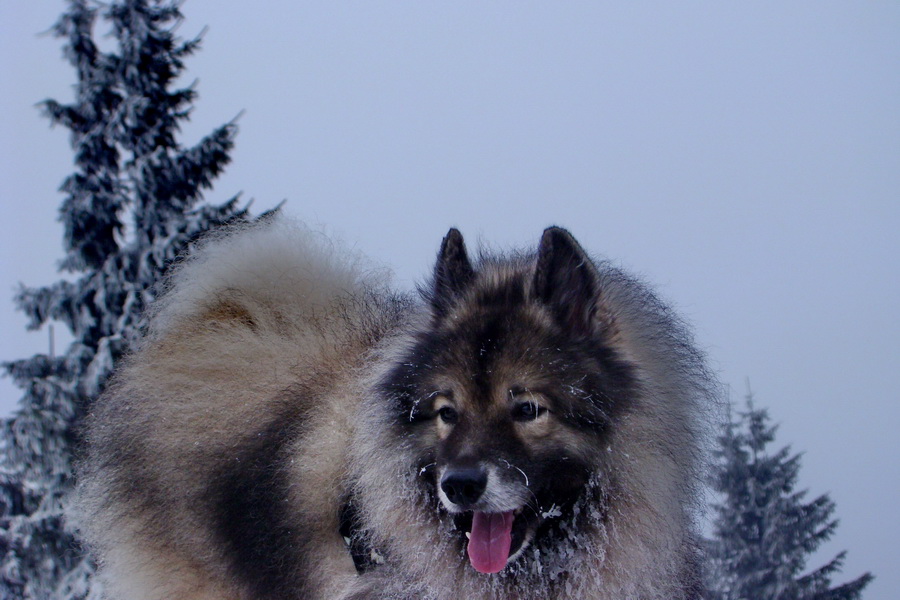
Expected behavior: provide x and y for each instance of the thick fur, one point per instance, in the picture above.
(284, 398)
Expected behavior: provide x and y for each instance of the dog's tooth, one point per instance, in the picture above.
(468, 535)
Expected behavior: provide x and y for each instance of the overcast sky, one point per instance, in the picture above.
(743, 157)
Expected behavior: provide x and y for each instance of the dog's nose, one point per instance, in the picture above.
(464, 486)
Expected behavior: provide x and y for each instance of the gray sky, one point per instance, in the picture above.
(743, 157)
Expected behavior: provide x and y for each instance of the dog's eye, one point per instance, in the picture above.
(448, 414)
(527, 411)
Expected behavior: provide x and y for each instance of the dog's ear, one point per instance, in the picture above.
(452, 274)
(566, 280)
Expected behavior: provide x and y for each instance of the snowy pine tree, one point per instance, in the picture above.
(130, 209)
(763, 530)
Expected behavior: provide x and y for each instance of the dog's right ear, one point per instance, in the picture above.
(452, 274)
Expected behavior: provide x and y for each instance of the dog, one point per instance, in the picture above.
(291, 427)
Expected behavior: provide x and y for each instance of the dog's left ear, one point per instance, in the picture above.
(452, 274)
(566, 280)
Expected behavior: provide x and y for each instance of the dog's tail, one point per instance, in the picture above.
(274, 276)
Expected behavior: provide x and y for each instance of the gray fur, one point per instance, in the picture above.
(263, 371)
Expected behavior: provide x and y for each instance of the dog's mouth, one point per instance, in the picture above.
(495, 538)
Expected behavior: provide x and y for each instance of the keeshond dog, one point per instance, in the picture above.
(527, 426)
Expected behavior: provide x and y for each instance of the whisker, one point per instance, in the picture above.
(511, 466)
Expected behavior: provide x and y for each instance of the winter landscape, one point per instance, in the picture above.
(744, 160)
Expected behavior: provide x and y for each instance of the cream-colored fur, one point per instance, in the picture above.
(251, 314)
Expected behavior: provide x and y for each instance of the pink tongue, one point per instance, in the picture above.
(490, 541)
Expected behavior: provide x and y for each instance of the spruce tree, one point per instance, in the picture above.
(764, 531)
(130, 208)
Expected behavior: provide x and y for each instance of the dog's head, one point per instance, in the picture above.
(509, 394)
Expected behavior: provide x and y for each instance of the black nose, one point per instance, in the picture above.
(464, 486)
